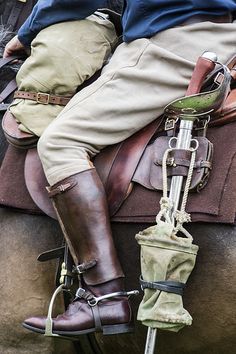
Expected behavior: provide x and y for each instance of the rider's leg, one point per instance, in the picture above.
(141, 78)
(81, 207)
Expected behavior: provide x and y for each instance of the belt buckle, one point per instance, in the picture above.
(42, 98)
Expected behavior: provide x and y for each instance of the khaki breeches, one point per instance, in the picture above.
(140, 80)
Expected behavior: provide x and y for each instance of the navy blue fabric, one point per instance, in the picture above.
(141, 18)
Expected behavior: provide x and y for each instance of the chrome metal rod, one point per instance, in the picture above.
(150, 341)
(183, 142)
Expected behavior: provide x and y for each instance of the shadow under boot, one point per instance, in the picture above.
(101, 305)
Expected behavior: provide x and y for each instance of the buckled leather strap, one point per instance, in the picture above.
(43, 98)
(83, 267)
(61, 188)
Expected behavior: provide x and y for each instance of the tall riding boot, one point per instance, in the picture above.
(102, 305)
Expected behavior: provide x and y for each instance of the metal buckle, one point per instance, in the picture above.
(64, 273)
(40, 96)
(80, 293)
(170, 123)
(94, 300)
(83, 267)
(202, 124)
(80, 268)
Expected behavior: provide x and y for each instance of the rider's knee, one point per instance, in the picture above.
(45, 145)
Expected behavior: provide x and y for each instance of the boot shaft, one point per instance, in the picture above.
(81, 206)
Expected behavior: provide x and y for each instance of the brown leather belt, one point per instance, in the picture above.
(227, 18)
(43, 98)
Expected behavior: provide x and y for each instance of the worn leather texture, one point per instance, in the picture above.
(177, 164)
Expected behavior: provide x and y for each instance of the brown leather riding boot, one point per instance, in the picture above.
(102, 305)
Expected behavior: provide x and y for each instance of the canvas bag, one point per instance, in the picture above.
(164, 257)
(63, 56)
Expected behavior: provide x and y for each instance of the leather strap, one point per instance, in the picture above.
(11, 86)
(42, 98)
(8, 90)
(8, 60)
(97, 318)
(83, 267)
(14, 15)
(51, 254)
(130, 151)
(61, 188)
(168, 286)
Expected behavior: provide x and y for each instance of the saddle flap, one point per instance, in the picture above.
(36, 183)
(14, 135)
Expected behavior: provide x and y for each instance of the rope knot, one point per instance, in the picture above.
(182, 217)
(166, 204)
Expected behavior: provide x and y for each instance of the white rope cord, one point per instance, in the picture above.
(189, 179)
(181, 216)
(165, 203)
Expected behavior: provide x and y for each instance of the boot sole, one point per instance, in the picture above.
(105, 330)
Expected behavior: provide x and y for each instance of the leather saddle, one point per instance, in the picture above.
(109, 163)
(119, 166)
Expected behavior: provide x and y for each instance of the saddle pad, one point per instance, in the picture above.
(215, 203)
(13, 190)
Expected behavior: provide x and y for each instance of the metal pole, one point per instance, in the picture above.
(183, 142)
(150, 341)
(204, 66)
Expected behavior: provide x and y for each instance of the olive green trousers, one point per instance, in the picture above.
(63, 56)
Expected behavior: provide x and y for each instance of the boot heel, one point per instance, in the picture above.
(117, 329)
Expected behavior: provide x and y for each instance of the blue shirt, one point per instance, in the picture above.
(140, 18)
